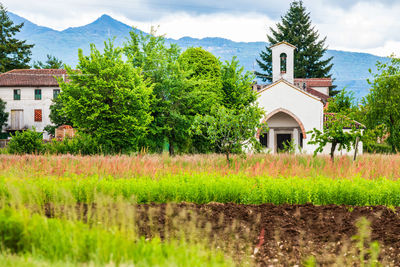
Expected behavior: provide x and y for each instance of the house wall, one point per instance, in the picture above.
(308, 109)
(28, 104)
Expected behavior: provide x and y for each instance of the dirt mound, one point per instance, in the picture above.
(280, 235)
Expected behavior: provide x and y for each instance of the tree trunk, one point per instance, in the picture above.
(356, 148)
(171, 149)
(333, 148)
(228, 159)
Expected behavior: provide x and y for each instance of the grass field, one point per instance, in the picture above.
(68, 210)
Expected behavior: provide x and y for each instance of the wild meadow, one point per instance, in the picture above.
(69, 210)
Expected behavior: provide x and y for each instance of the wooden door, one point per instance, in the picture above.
(17, 119)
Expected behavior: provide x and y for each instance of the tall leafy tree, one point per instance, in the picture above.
(108, 99)
(14, 53)
(382, 104)
(296, 28)
(51, 63)
(236, 85)
(169, 107)
(57, 116)
(205, 73)
(181, 89)
(3, 114)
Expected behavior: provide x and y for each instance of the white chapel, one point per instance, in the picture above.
(293, 106)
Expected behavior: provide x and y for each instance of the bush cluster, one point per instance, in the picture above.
(26, 142)
(379, 148)
(31, 142)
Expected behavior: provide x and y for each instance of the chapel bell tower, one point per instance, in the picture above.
(283, 62)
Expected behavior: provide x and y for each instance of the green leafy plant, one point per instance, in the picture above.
(339, 131)
(108, 99)
(231, 131)
(26, 142)
(3, 114)
(80, 144)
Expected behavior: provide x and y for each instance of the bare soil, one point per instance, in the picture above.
(279, 235)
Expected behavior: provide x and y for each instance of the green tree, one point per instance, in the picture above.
(236, 85)
(233, 131)
(14, 53)
(205, 74)
(179, 92)
(51, 63)
(206, 87)
(57, 116)
(339, 131)
(296, 28)
(343, 102)
(3, 114)
(108, 99)
(382, 104)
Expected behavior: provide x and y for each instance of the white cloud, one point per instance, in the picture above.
(240, 27)
(363, 25)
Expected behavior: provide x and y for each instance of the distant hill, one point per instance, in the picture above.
(350, 69)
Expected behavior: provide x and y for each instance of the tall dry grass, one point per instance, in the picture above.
(367, 166)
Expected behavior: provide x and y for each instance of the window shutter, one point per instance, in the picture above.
(38, 115)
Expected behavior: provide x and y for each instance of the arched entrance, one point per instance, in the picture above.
(284, 128)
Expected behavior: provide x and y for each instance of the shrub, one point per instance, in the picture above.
(26, 142)
(81, 144)
(378, 148)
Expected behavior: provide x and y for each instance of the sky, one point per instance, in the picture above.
(370, 26)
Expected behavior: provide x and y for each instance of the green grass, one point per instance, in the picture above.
(68, 241)
(202, 188)
(106, 232)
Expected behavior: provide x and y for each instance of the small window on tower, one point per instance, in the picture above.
(38, 115)
(283, 62)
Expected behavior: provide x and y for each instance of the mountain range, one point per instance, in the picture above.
(350, 69)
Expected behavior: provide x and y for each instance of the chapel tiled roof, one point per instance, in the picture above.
(318, 94)
(31, 78)
(310, 83)
(315, 82)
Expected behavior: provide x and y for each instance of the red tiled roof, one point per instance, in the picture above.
(314, 82)
(318, 94)
(31, 78)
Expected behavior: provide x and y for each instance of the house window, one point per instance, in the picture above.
(17, 94)
(56, 92)
(38, 115)
(38, 94)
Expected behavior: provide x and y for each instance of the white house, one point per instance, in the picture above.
(294, 106)
(29, 94)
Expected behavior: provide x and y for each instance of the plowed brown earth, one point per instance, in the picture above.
(283, 235)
